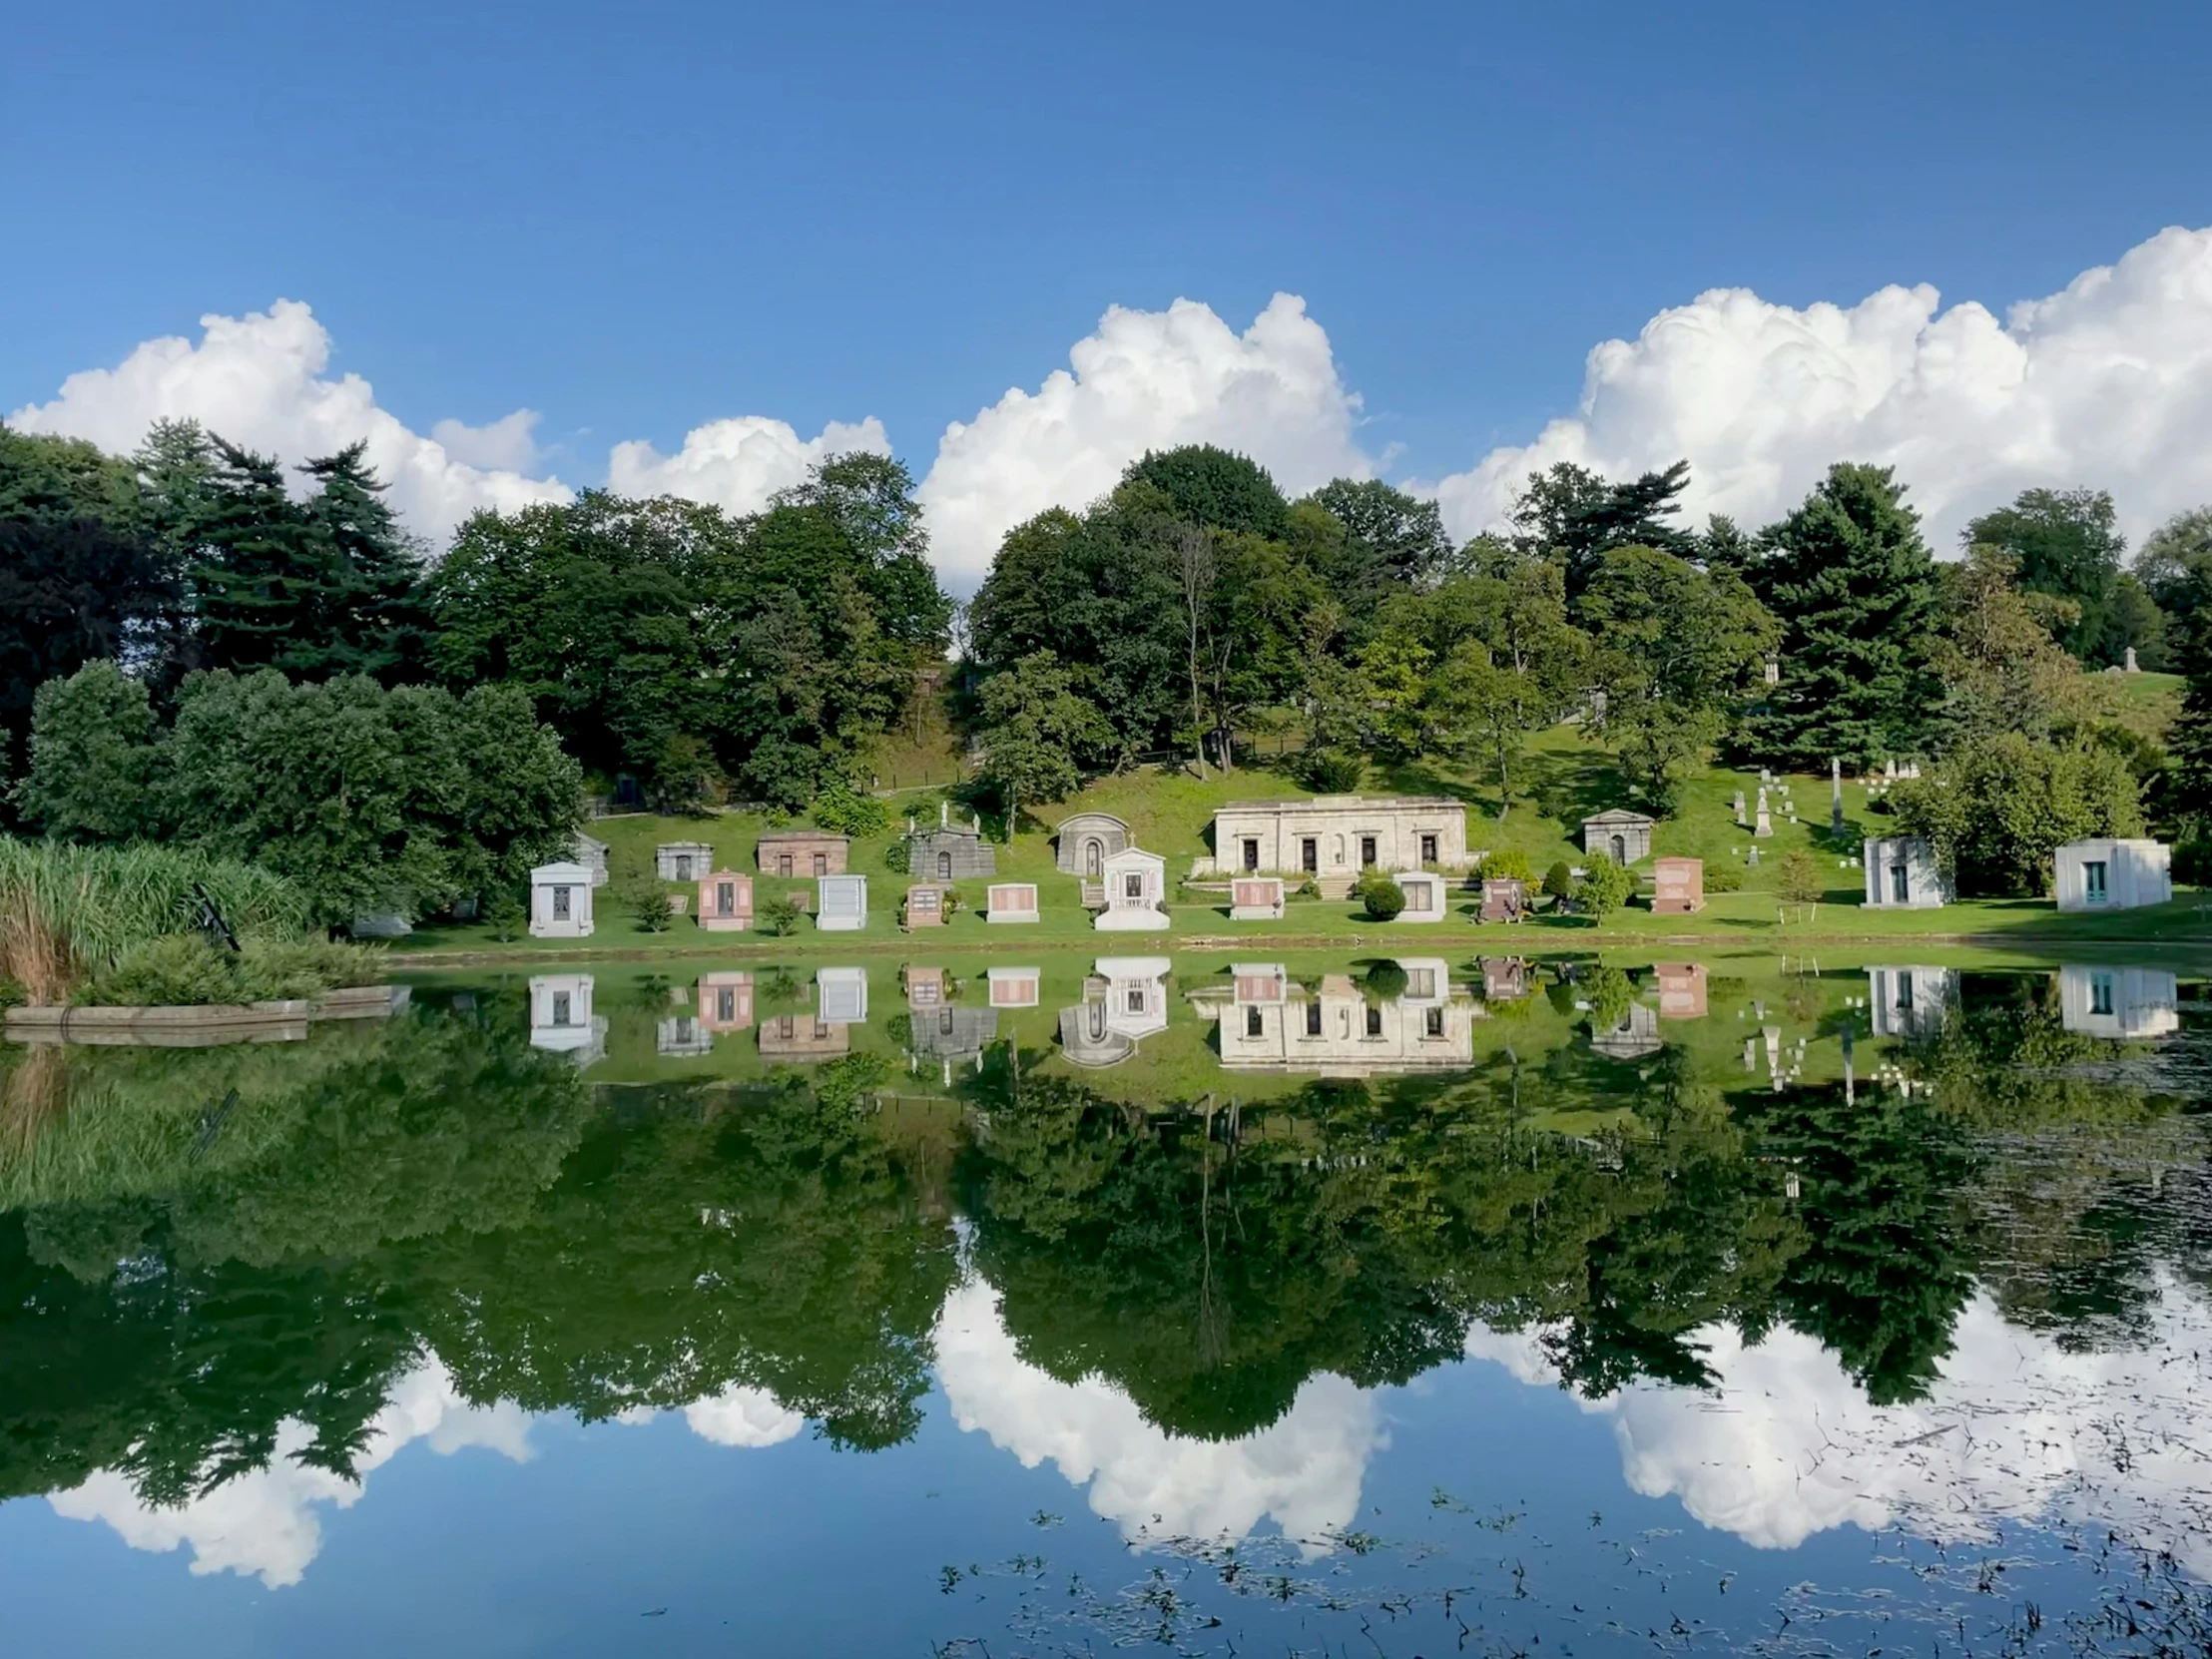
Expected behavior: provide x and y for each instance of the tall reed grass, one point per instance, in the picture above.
(68, 911)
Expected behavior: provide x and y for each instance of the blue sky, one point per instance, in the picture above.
(635, 218)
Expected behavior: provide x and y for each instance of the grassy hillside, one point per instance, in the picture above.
(2146, 703)
(1170, 811)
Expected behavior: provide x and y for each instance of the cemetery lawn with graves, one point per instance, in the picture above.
(1170, 811)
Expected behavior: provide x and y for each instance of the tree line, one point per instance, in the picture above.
(1195, 603)
(695, 656)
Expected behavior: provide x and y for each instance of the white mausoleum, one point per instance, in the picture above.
(1136, 892)
(560, 902)
(2113, 874)
(2124, 1002)
(1901, 873)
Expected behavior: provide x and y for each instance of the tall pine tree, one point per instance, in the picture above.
(1857, 593)
(317, 588)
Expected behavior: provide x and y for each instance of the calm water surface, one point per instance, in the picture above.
(1184, 1303)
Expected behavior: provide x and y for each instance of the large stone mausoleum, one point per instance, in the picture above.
(1339, 834)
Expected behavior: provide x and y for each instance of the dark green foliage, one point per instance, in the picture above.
(2069, 545)
(778, 916)
(369, 798)
(1214, 487)
(92, 764)
(659, 635)
(844, 810)
(1329, 771)
(1389, 537)
(1855, 589)
(1384, 981)
(79, 581)
(1999, 809)
(506, 915)
(316, 587)
(1559, 880)
(1606, 887)
(1572, 514)
(1040, 734)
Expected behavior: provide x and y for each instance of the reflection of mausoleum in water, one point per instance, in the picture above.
(561, 1019)
(1267, 1022)
(1124, 1001)
(951, 1032)
(1909, 1001)
(1632, 1037)
(2125, 1002)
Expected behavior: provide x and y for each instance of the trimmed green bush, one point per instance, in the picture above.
(1383, 897)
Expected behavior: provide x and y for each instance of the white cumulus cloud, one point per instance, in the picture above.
(261, 381)
(1304, 1471)
(1143, 380)
(2104, 385)
(742, 1416)
(2016, 1429)
(737, 464)
(266, 1523)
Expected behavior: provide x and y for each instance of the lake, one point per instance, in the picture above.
(1041, 1306)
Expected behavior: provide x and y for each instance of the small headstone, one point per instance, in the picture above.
(1754, 860)
(1765, 826)
(1836, 797)
(1739, 806)
(2128, 665)
(1889, 770)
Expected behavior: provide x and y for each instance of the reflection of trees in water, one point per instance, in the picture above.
(199, 1246)
(767, 1239)
(438, 1183)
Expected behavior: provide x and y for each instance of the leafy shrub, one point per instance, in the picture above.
(1724, 878)
(649, 901)
(190, 970)
(1383, 897)
(780, 989)
(780, 916)
(1609, 993)
(898, 858)
(1606, 887)
(1329, 771)
(507, 917)
(844, 810)
(1507, 865)
(1559, 879)
(181, 968)
(275, 969)
(1801, 879)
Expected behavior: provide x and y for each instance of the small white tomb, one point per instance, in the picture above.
(560, 902)
(840, 903)
(2113, 874)
(1901, 873)
(1136, 885)
(1424, 895)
